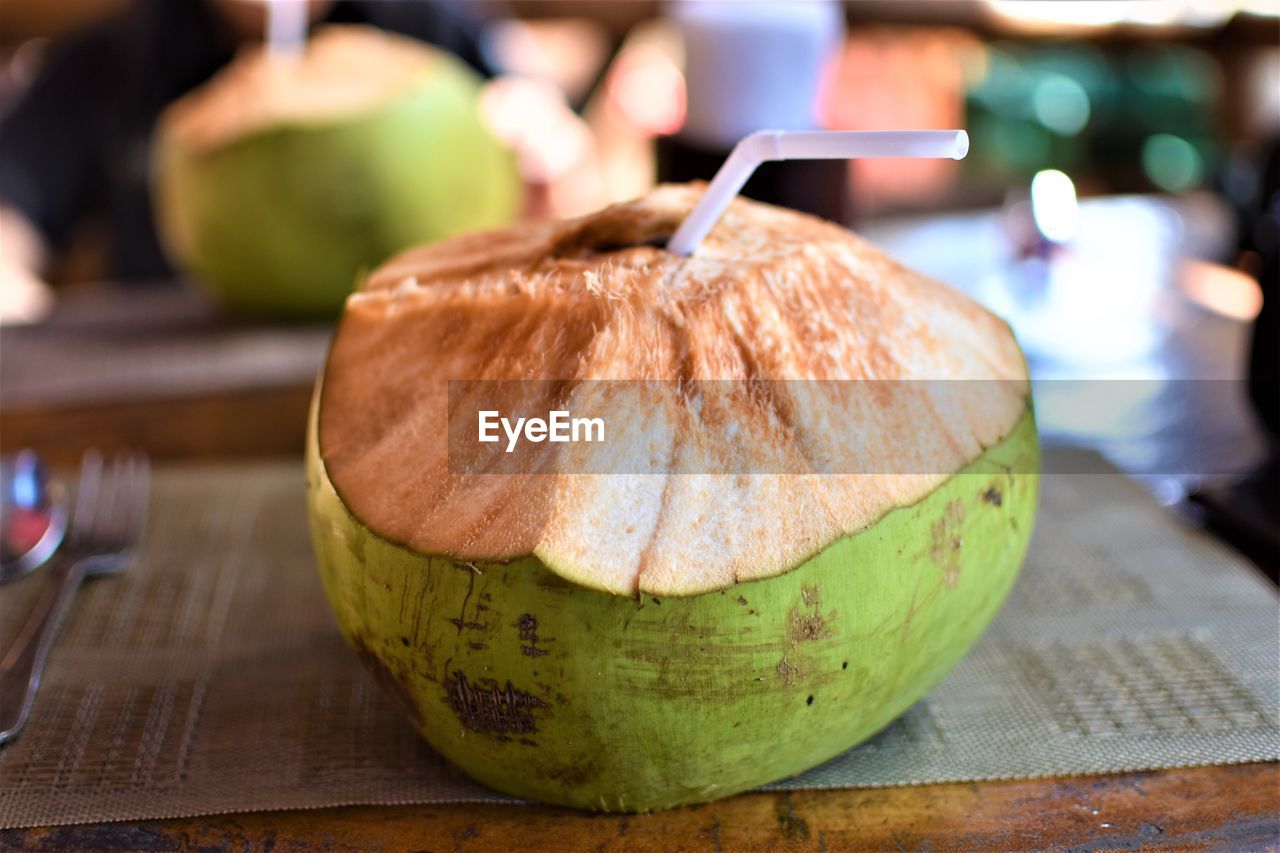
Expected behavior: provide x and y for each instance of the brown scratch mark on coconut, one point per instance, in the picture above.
(461, 622)
(742, 600)
(356, 545)
(946, 540)
(917, 605)
(527, 624)
(662, 683)
(911, 612)
(462, 615)
(489, 709)
(788, 671)
(804, 626)
(808, 626)
(992, 496)
(664, 669)
(420, 608)
(552, 582)
(576, 773)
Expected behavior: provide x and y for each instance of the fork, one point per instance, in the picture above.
(106, 526)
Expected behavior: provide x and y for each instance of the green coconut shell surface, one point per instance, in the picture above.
(278, 215)
(492, 611)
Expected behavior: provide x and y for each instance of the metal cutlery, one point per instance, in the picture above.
(106, 526)
(33, 515)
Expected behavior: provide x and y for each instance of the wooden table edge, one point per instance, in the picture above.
(1232, 807)
(266, 421)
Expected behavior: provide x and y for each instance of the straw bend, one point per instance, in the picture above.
(765, 145)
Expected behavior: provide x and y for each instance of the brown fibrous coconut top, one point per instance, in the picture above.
(770, 294)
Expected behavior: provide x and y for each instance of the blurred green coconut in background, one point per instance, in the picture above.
(286, 176)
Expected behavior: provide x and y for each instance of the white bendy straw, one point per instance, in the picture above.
(766, 145)
(286, 28)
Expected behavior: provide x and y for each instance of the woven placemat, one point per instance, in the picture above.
(211, 678)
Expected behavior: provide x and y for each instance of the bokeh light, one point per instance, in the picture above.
(1054, 205)
(1061, 104)
(1171, 162)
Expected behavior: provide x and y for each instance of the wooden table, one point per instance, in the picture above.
(1208, 808)
(1199, 808)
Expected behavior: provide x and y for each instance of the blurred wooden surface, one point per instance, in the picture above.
(1210, 808)
(227, 425)
(159, 369)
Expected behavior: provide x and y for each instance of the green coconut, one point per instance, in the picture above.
(656, 636)
(282, 180)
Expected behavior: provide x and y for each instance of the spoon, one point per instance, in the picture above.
(33, 515)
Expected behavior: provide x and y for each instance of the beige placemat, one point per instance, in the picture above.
(211, 678)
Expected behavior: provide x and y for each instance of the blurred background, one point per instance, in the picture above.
(1118, 206)
(1161, 96)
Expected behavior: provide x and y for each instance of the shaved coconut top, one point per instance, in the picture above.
(345, 70)
(771, 294)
